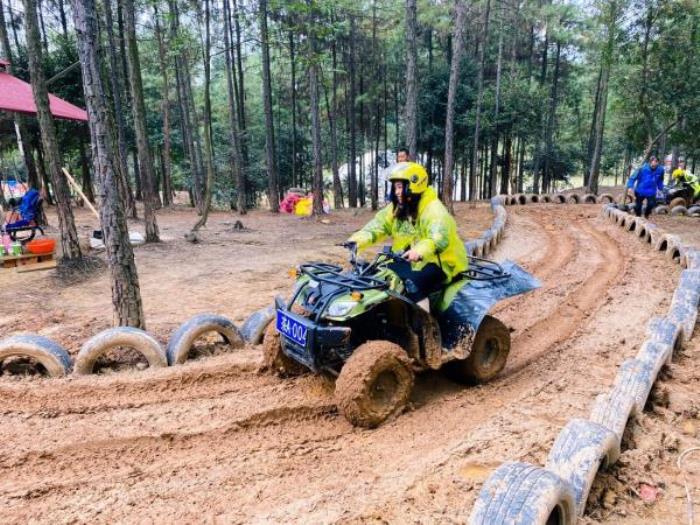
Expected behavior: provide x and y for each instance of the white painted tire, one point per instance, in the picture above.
(684, 316)
(656, 354)
(523, 494)
(636, 378)
(613, 410)
(253, 329)
(664, 331)
(679, 211)
(580, 450)
(52, 356)
(606, 197)
(182, 339)
(100, 344)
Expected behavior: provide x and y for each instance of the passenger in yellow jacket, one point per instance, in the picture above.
(420, 225)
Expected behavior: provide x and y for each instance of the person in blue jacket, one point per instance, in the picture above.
(645, 182)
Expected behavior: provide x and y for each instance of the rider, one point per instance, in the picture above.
(422, 228)
(682, 176)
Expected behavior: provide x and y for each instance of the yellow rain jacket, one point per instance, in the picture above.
(434, 235)
(687, 177)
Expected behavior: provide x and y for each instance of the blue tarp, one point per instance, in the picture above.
(475, 299)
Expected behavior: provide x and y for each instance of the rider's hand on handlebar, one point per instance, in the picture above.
(412, 256)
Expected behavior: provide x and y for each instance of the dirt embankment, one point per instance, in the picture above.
(213, 440)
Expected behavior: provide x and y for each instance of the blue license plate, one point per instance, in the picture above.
(292, 329)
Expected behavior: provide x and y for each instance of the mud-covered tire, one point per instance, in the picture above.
(534, 198)
(613, 410)
(661, 210)
(253, 328)
(636, 378)
(580, 450)
(523, 494)
(655, 354)
(664, 331)
(606, 197)
(679, 211)
(559, 199)
(522, 199)
(678, 201)
(589, 198)
(547, 199)
(488, 354)
(691, 259)
(694, 211)
(684, 316)
(631, 224)
(374, 384)
(182, 339)
(275, 360)
(574, 198)
(49, 354)
(100, 344)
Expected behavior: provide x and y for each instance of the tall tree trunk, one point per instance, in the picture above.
(483, 40)
(507, 162)
(62, 16)
(43, 175)
(208, 147)
(411, 109)
(352, 174)
(20, 124)
(126, 295)
(292, 59)
(315, 128)
(241, 88)
(236, 157)
(272, 184)
(116, 85)
(457, 54)
(551, 120)
(139, 111)
(493, 185)
(591, 133)
(332, 111)
(69, 235)
(165, 109)
(606, 58)
(85, 169)
(44, 38)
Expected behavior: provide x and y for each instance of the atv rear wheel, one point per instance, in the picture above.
(678, 201)
(374, 384)
(488, 355)
(275, 360)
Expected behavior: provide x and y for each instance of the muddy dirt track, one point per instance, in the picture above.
(215, 441)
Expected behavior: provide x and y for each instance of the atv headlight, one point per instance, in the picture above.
(341, 308)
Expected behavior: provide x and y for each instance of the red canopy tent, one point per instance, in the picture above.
(16, 95)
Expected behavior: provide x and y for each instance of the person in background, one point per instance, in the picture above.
(403, 155)
(644, 183)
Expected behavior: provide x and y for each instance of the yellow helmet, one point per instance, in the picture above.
(412, 173)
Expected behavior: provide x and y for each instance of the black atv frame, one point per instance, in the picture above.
(328, 346)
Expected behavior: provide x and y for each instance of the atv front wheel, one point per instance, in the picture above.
(275, 360)
(488, 355)
(374, 384)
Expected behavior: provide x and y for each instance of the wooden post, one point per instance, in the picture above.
(76, 187)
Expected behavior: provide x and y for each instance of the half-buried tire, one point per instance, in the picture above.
(254, 327)
(580, 450)
(42, 350)
(100, 344)
(184, 337)
(488, 355)
(374, 384)
(275, 360)
(523, 494)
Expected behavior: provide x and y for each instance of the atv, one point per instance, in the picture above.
(681, 194)
(358, 326)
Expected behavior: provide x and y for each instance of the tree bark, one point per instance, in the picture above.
(166, 160)
(272, 184)
(457, 54)
(68, 233)
(551, 120)
(332, 111)
(493, 184)
(126, 295)
(479, 99)
(236, 157)
(139, 112)
(352, 174)
(315, 128)
(122, 151)
(411, 109)
(292, 59)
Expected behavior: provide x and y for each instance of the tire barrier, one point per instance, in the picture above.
(679, 210)
(559, 199)
(253, 329)
(589, 198)
(585, 446)
(661, 210)
(606, 198)
(521, 494)
(98, 345)
(534, 198)
(694, 211)
(522, 199)
(183, 338)
(581, 449)
(574, 198)
(43, 350)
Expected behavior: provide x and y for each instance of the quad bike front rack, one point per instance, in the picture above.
(484, 270)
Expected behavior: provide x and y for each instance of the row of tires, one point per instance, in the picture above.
(557, 198)
(672, 209)
(56, 361)
(489, 238)
(524, 494)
